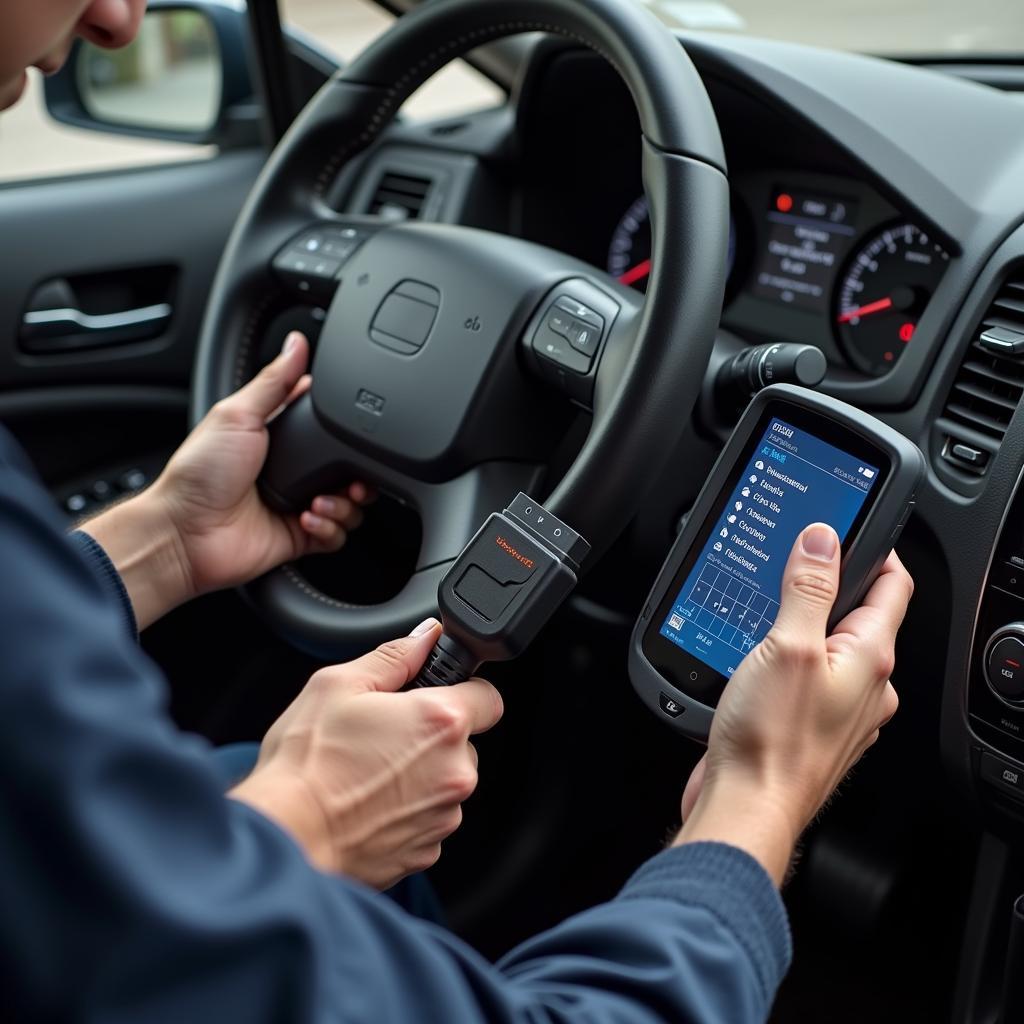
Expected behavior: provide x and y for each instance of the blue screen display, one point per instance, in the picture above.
(729, 600)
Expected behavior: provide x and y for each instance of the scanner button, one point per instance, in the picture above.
(670, 705)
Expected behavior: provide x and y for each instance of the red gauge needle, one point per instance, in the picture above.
(637, 273)
(871, 307)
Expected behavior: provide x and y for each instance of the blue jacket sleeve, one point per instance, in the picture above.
(133, 890)
(103, 568)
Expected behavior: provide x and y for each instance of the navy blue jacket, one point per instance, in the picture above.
(132, 889)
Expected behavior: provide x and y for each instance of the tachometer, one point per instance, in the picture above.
(629, 255)
(883, 293)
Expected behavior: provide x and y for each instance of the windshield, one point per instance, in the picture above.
(905, 27)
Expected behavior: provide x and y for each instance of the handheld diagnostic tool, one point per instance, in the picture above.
(795, 458)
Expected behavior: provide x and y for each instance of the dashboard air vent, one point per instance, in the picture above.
(989, 386)
(400, 196)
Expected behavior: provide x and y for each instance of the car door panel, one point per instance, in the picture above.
(110, 243)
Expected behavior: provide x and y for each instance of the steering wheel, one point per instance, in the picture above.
(452, 359)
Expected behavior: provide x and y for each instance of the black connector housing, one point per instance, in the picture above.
(507, 583)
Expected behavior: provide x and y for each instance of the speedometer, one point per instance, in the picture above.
(883, 293)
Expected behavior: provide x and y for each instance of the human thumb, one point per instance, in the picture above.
(393, 664)
(269, 389)
(809, 584)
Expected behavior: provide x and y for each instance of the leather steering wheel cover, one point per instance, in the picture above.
(674, 108)
(685, 182)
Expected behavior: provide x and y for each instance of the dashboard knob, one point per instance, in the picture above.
(1004, 664)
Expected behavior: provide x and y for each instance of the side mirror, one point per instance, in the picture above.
(185, 78)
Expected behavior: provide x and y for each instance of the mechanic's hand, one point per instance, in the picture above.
(228, 535)
(202, 525)
(800, 710)
(368, 780)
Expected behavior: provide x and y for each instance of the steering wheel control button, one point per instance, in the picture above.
(1004, 666)
(340, 244)
(405, 318)
(559, 322)
(1003, 774)
(580, 311)
(557, 349)
(310, 263)
(311, 274)
(671, 707)
(563, 340)
(572, 322)
(584, 337)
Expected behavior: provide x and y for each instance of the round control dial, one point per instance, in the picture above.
(1004, 664)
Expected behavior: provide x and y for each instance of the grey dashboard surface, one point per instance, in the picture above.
(934, 149)
(948, 153)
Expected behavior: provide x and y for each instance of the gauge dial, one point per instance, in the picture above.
(883, 293)
(629, 255)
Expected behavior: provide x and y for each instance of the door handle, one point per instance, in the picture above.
(65, 330)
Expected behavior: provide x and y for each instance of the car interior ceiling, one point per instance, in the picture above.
(901, 898)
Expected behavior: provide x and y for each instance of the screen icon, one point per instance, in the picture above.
(753, 479)
(745, 492)
(738, 506)
(718, 545)
(724, 533)
(732, 518)
(675, 621)
(758, 465)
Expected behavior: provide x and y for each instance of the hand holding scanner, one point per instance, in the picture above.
(795, 458)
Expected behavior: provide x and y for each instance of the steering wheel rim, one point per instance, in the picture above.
(641, 394)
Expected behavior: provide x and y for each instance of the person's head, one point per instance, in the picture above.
(39, 33)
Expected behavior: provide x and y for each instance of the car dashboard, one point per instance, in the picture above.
(877, 214)
(818, 253)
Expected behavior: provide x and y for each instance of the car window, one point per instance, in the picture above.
(33, 145)
(344, 27)
(173, 60)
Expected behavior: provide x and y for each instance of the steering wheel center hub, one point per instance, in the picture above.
(417, 362)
